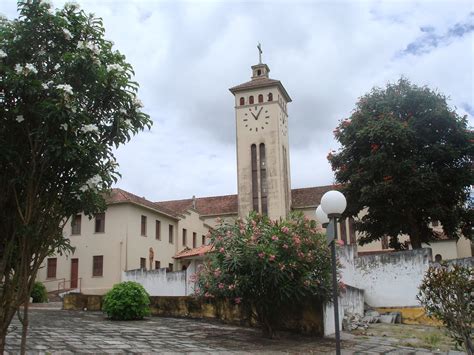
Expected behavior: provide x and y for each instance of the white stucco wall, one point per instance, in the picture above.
(329, 323)
(159, 282)
(388, 280)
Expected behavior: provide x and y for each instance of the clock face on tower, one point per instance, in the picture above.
(256, 118)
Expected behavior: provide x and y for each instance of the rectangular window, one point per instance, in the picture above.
(100, 223)
(194, 240)
(76, 225)
(263, 178)
(143, 231)
(143, 263)
(253, 153)
(158, 230)
(51, 270)
(157, 265)
(170, 231)
(97, 265)
(170, 267)
(203, 240)
(185, 232)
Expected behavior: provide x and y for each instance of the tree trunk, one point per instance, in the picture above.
(468, 345)
(24, 322)
(415, 239)
(5, 320)
(415, 242)
(3, 335)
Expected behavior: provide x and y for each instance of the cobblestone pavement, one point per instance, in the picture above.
(64, 332)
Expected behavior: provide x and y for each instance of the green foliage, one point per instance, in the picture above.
(67, 99)
(406, 157)
(127, 301)
(267, 265)
(447, 293)
(39, 293)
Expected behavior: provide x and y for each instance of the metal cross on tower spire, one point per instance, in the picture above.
(259, 47)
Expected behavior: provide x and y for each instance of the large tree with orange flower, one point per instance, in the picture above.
(406, 158)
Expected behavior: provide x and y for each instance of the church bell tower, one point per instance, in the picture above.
(263, 163)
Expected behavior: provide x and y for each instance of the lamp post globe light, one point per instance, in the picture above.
(333, 204)
(321, 216)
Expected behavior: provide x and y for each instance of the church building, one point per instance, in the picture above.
(136, 233)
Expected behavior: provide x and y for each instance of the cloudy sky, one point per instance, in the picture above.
(186, 54)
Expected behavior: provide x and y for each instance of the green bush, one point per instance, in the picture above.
(447, 293)
(127, 301)
(39, 293)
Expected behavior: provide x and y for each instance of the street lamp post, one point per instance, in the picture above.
(333, 204)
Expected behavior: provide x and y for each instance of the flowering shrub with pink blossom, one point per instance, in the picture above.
(267, 265)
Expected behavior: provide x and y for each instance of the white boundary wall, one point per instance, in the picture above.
(159, 282)
(388, 280)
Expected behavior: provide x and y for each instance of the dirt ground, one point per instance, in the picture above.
(417, 336)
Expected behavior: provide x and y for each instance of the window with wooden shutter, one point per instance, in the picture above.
(170, 267)
(203, 240)
(158, 230)
(143, 263)
(100, 223)
(143, 226)
(98, 265)
(157, 264)
(76, 225)
(51, 268)
(185, 232)
(194, 240)
(170, 232)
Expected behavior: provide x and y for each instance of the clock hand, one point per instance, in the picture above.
(256, 117)
(258, 114)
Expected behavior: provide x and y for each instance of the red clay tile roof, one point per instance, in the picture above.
(308, 196)
(187, 253)
(215, 205)
(121, 196)
(227, 204)
(261, 83)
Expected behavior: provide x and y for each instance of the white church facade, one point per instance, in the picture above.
(136, 233)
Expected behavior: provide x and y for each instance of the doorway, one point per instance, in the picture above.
(74, 272)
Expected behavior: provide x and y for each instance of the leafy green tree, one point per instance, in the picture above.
(66, 100)
(266, 266)
(407, 159)
(127, 301)
(447, 293)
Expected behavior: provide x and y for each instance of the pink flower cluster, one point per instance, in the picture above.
(285, 229)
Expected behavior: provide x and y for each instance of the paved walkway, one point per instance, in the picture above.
(64, 332)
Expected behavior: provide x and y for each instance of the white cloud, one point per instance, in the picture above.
(187, 54)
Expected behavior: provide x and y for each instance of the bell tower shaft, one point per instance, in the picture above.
(262, 145)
